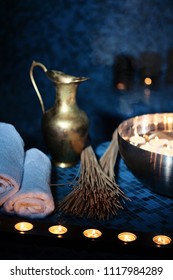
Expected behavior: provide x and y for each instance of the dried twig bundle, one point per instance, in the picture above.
(96, 194)
(108, 160)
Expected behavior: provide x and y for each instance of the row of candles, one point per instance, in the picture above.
(60, 230)
(155, 145)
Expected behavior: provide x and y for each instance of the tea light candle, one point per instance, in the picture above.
(127, 236)
(137, 140)
(23, 226)
(57, 229)
(92, 233)
(162, 239)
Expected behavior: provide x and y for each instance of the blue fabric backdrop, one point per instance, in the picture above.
(81, 38)
(84, 38)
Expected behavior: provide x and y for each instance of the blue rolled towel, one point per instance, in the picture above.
(11, 161)
(34, 199)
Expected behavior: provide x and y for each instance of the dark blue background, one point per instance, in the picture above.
(81, 38)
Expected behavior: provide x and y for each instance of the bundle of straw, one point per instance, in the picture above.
(96, 194)
(108, 161)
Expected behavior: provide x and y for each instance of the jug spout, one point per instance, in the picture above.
(62, 78)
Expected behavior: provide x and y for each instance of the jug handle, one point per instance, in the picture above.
(33, 65)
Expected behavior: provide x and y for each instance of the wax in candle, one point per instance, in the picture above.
(92, 233)
(127, 236)
(162, 239)
(57, 229)
(23, 226)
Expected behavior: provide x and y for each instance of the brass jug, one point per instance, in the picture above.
(64, 126)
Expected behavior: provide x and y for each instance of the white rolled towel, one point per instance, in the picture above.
(34, 199)
(11, 161)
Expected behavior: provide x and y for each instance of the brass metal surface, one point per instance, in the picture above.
(65, 125)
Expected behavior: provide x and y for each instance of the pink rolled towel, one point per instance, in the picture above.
(34, 199)
(11, 161)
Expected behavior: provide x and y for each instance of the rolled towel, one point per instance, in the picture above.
(11, 161)
(34, 199)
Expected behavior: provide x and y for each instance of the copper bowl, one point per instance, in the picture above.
(150, 165)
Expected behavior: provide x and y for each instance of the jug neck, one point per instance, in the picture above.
(65, 96)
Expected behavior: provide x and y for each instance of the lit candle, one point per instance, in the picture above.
(162, 239)
(23, 226)
(127, 236)
(57, 229)
(92, 233)
(148, 81)
(137, 140)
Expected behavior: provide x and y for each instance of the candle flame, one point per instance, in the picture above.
(57, 229)
(92, 233)
(127, 236)
(148, 81)
(23, 226)
(162, 239)
(60, 228)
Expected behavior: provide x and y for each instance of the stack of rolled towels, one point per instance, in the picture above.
(24, 177)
